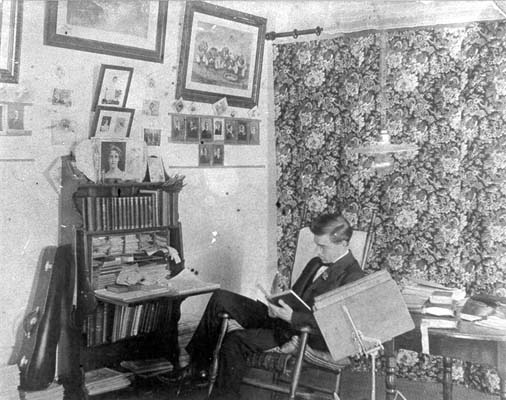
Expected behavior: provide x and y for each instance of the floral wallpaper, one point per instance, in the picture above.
(439, 214)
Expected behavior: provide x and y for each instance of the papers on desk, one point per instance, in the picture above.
(183, 284)
(492, 322)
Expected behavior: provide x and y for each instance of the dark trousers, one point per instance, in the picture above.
(260, 333)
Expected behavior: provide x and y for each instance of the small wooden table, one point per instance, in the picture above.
(469, 342)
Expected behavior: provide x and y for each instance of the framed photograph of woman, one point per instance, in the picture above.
(120, 159)
(133, 29)
(112, 161)
(113, 86)
(112, 122)
(221, 55)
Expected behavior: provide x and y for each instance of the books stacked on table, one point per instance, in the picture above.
(148, 368)
(419, 296)
(105, 380)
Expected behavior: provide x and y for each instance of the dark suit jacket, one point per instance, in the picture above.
(344, 271)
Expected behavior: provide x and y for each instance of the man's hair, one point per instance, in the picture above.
(335, 225)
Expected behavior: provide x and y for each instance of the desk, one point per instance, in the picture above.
(469, 343)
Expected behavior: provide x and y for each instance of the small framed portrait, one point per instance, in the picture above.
(120, 159)
(113, 160)
(3, 113)
(254, 132)
(62, 97)
(155, 169)
(151, 108)
(113, 86)
(206, 129)
(112, 122)
(15, 117)
(218, 127)
(242, 132)
(178, 128)
(218, 154)
(152, 137)
(230, 131)
(192, 129)
(220, 106)
(205, 154)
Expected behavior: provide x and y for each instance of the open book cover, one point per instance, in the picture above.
(371, 307)
(292, 299)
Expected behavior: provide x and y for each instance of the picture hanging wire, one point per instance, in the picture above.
(295, 33)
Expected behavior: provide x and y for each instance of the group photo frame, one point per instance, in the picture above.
(87, 26)
(221, 55)
(112, 86)
(112, 122)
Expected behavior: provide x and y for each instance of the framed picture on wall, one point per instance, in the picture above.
(112, 122)
(113, 86)
(221, 55)
(132, 29)
(10, 39)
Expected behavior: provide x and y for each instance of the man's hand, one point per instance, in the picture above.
(284, 311)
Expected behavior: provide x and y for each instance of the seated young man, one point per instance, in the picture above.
(264, 327)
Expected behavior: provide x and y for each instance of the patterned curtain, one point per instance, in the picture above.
(441, 215)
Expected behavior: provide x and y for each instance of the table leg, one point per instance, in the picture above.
(390, 371)
(447, 378)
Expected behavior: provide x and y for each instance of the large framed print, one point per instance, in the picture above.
(221, 55)
(10, 39)
(102, 26)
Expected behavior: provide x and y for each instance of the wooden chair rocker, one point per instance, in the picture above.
(287, 368)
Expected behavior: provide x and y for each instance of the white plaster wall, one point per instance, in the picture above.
(225, 212)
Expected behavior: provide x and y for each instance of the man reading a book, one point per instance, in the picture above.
(256, 327)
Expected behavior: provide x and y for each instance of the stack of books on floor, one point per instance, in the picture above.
(105, 380)
(53, 392)
(148, 368)
(9, 381)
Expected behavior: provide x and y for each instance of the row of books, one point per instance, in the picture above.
(150, 208)
(119, 244)
(111, 322)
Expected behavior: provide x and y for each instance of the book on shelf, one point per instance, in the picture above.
(291, 299)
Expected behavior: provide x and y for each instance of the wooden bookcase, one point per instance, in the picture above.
(115, 225)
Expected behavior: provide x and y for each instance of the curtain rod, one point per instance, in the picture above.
(295, 33)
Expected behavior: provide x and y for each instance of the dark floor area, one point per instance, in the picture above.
(354, 386)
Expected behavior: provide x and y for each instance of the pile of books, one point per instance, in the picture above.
(436, 302)
(53, 392)
(105, 380)
(148, 368)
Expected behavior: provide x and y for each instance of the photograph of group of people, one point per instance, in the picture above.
(190, 128)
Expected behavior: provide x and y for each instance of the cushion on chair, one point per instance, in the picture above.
(282, 358)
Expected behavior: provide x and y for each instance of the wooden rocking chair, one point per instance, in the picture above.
(287, 367)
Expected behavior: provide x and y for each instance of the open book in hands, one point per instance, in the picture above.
(291, 298)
